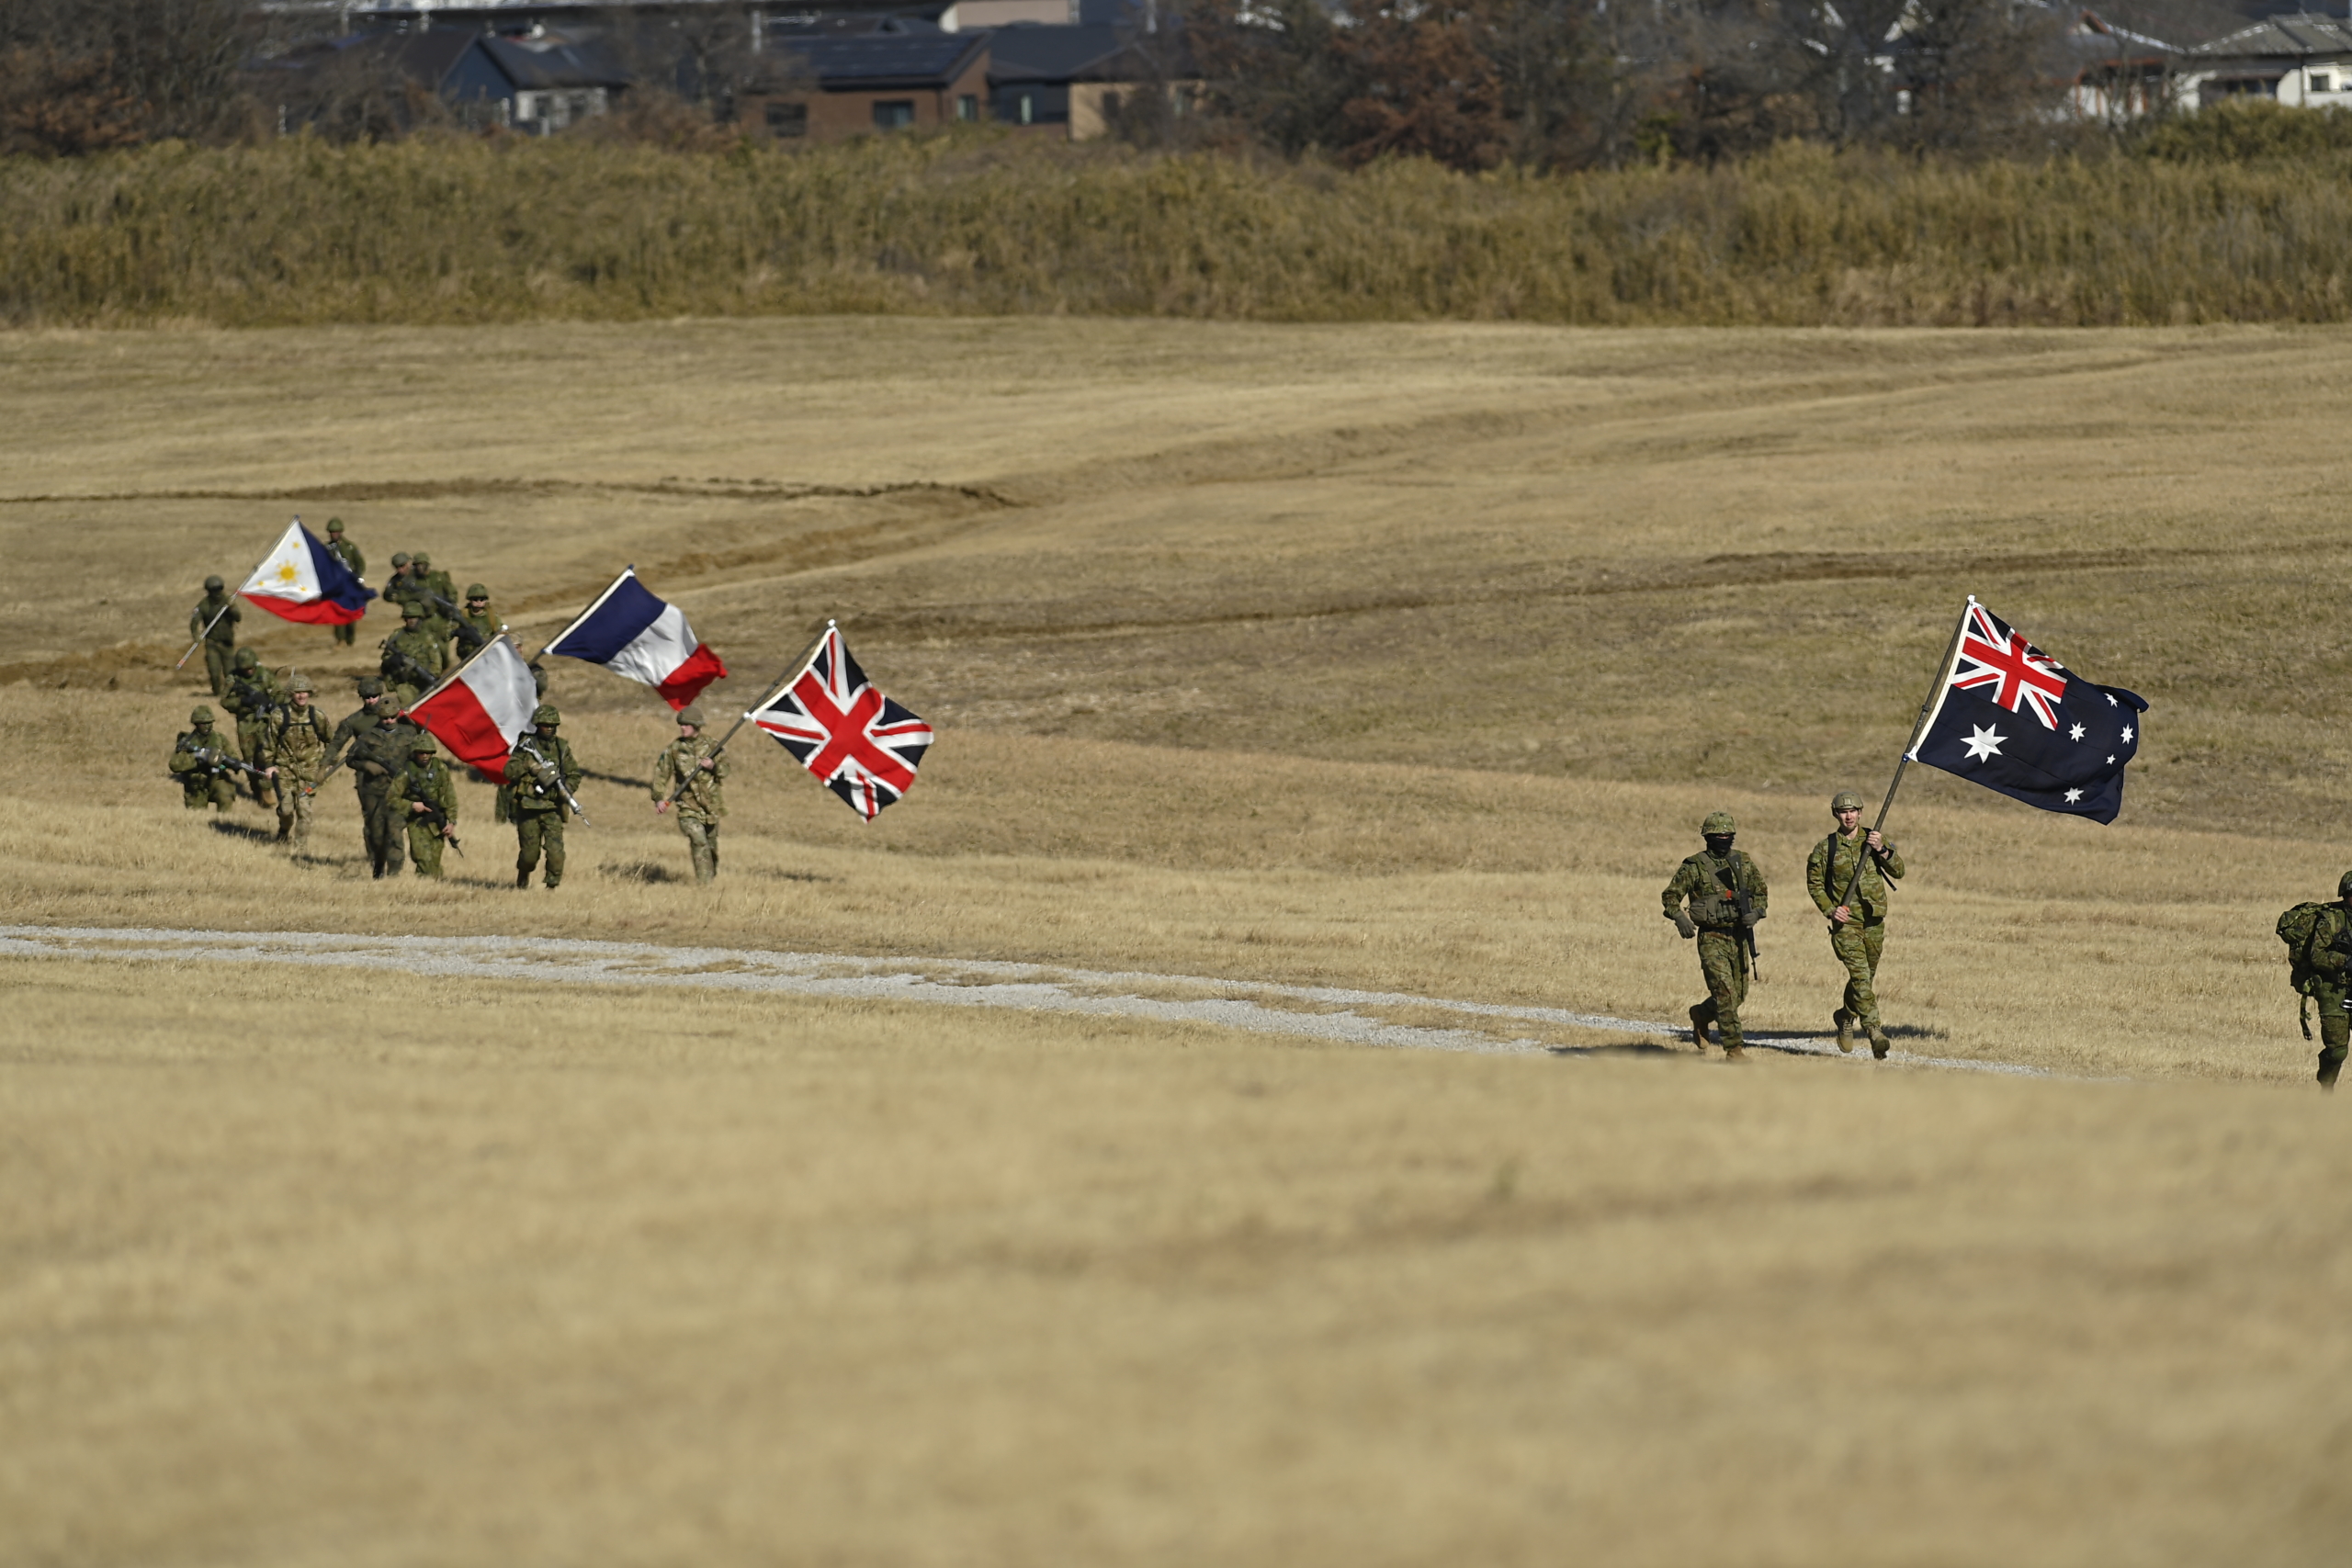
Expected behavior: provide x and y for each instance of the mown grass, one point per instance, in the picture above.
(453, 231)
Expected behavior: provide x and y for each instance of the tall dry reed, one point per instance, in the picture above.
(442, 230)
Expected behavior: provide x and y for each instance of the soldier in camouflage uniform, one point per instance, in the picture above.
(296, 749)
(702, 767)
(202, 780)
(437, 583)
(377, 757)
(423, 802)
(1857, 932)
(221, 642)
(359, 719)
(1707, 880)
(478, 624)
(412, 655)
(2330, 980)
(531, 798)
(255, 698)
(348, 554)
(398, 588)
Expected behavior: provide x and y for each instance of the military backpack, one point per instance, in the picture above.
(2300, 929)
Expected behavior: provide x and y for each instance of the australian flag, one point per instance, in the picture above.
(2012, 718)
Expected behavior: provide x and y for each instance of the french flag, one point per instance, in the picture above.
(302, 580)
(631, 633)
(479, 711)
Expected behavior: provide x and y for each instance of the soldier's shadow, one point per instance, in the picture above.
(1633, 1048)
(245, 830)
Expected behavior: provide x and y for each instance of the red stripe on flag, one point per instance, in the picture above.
(455, 718)
(317, 613)
(685, 683)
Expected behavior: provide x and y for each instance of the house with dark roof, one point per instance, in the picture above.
(827, 85)
(537, 82)
(1073, 79)
(2298, 60)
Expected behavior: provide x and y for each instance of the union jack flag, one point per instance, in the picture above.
(857, 742)
(2007, 669)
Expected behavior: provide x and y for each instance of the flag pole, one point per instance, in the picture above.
(225, 610)
(204, 633)
(1944, 678)
(790, 670)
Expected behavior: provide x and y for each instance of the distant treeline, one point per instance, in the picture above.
(450, 230)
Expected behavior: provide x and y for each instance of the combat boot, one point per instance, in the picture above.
(1699, 1025)
(2330, 1063)
(1735, 1051)
(1845, 1022)
(1878, 1043)
(522, 879)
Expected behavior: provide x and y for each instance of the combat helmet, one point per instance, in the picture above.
(298, 681)
(399, 558)
(204, 716)
(371, 687)
(420, 559)
(476, 590)
(422, 741)
(1845, 800)
(690, 714)
(545, 716)
(213, 585)
(2344, 886)
(1718, 825)
(334, 524)
(246, 658)
(411, 610)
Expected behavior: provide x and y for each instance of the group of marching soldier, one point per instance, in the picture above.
(285, 749)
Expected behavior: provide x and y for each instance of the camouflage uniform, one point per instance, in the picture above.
(474, 628)
(423, 781)
(537, 808)
(200, 781)
(410, 651)
(1706, 879)
(221, 642)
(435, 595)
(348, 554)
(1859, 942)
(359, 720)
(702, 804)
(2330, 983)
(298, 749)
(377, 756)
(255, 697)
(401, 587)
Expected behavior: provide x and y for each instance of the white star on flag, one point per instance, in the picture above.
(1984, 742)
(2072, 795)
(2127, 732)
(2110, 759)
(2110, 701)
(2076, 732)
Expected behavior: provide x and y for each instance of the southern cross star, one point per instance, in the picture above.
(1983, 742)
(2072, 795)
(2127, 732)
(2077, 733)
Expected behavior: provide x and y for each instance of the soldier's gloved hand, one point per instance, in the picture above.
(1750, 919)
(1683, 926)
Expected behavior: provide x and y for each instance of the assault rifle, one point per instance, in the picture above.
(398, 662)
(215, 759)
(551, 777)
(1746, 938)
(470, 641)
(433, 815)
(258, 701)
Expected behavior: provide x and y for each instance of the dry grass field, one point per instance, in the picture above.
(1398, 658)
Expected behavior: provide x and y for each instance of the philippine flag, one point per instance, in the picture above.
(302, 580)
(631, 633)
(479, 711)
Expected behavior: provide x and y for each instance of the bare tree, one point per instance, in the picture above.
(81, 74)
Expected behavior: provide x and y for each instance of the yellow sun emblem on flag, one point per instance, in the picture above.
(287, 573)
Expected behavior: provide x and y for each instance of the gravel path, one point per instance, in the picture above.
(1316, 1012)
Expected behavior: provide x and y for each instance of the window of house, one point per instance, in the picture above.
(1025, 107)
(2321, 82)
(893, 114)
(967, 108)
(787, 119)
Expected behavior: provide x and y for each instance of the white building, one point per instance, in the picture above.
(2300, 60)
